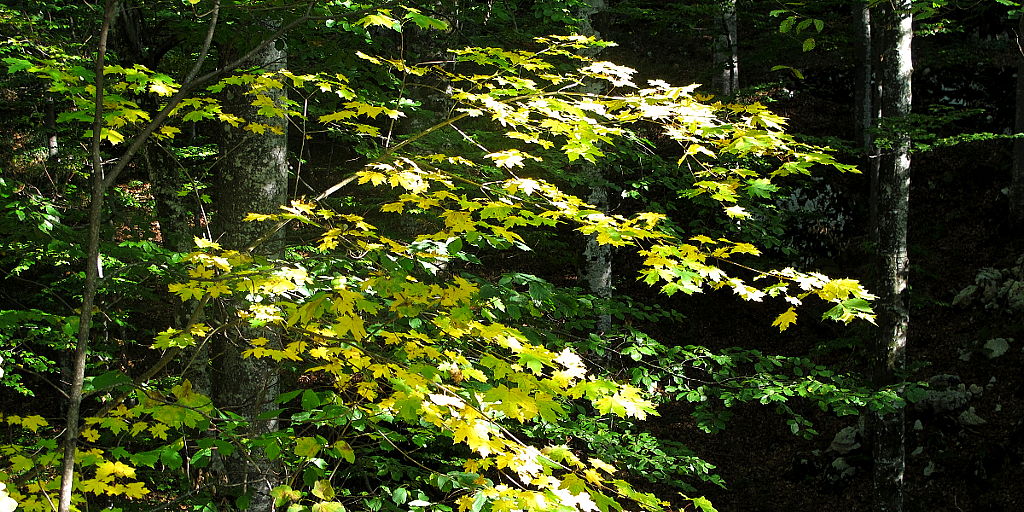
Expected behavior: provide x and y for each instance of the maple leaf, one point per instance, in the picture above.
(602, 465)
(90, 434)
(508, 159)
(381, 19)
(737, 212)
(162, 88)
(138, 427)
(190, 290)
(786, 319)
(20, 463)
(135, 490)
(231, 119)
(838, 290)
(159, 430)
(475, 433)
(110, 469)
(94, 486)
(33, 422)
(458, 221)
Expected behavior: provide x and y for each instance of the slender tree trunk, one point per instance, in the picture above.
(894, 205)
(597, 270)
(598, 258)
(1017, 180)
(726, 51)
(252, 177)
(52, 147)
(93, 274)
(866, 106)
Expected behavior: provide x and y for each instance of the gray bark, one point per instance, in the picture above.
(165, 180)
(726, 50)
(893, 262)
(1017, 180)
(598, 258)
(69, 440)
(866, 99)
(252, 176)
(597, 270)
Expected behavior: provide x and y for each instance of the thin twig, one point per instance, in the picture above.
(206, 43)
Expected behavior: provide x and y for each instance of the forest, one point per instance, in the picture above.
(511, 255)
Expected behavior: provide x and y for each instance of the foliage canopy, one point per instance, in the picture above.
(403, 340)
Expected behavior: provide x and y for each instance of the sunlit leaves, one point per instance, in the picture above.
(786, 319)
(394, 328)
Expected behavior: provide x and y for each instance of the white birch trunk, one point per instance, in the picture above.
(597, 270)
(893, 263)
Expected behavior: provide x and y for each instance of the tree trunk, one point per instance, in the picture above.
(597, 269)
(865, 110)
(165, 181)
(52, 146)
(726, 51)
(252, 176)
(894, 205)
(1017, 180)
(93, 273)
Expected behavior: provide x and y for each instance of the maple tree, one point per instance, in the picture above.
(397, 327)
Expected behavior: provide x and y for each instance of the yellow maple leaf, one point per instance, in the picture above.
(159, 430)
(90, 434)
(203, 243)
(109, 469)
(33, 422)
(838, 290)
(94, 486)
(20, 463)
(134, 490)
(786, 319)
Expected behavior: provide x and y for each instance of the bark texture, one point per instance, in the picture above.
(893, 262)
(165, 181)
(597, 271)
(726, 51)
(252, 176)
(93, 273)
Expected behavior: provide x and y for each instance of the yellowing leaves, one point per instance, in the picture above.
(307, 447)
(625, 402)
(390, 325)
(786, 319)
(838, 290)
(476, 434)
(511, 158)
(110, 469)
(381, 18)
